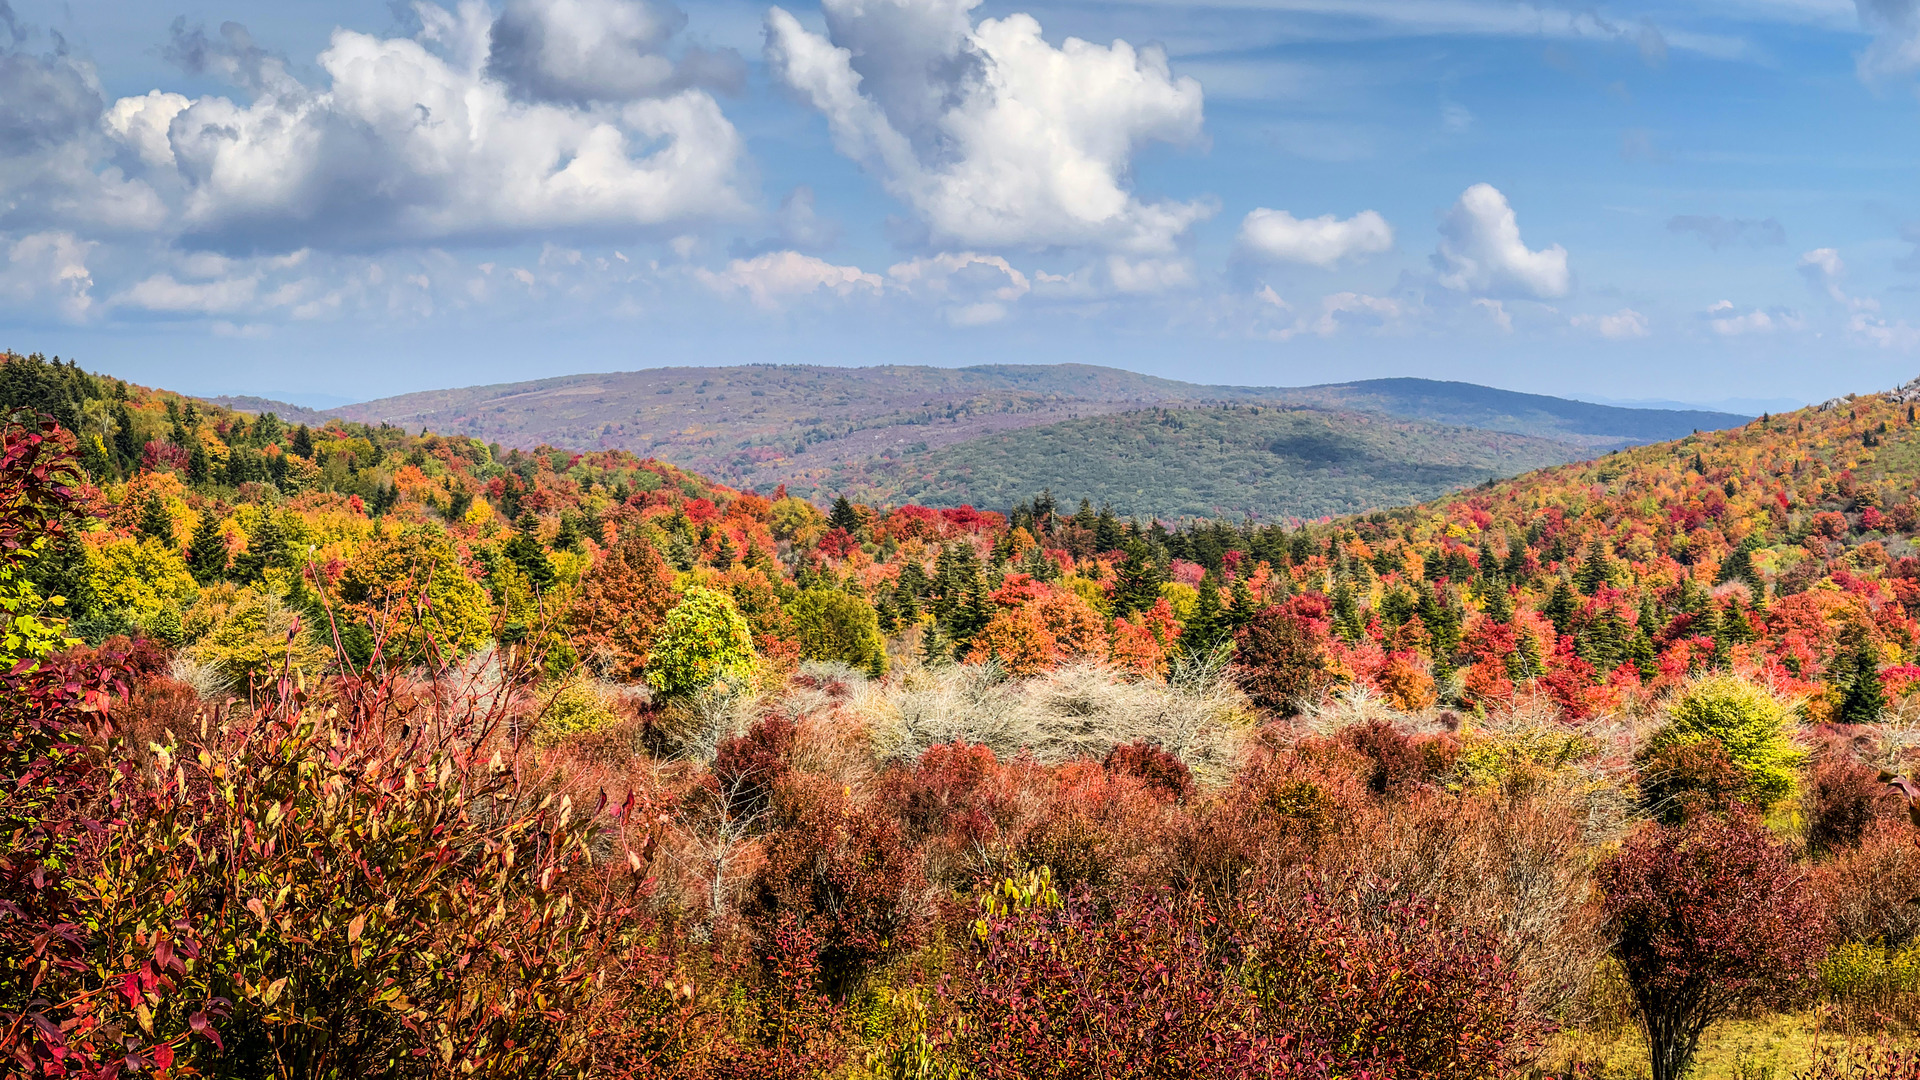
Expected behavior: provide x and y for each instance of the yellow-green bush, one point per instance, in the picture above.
(139, 577)
(578, 706)
(1752, 725)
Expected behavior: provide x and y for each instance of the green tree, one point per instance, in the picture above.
(1139, 578)
(844, 517)
(704, 639)
(1748, 722)
(833, 625)
(1855, 675)
(524, 551)
(207, 557)
(157, 524)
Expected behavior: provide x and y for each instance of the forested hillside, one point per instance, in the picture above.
(818, 429)
(1272, 462)
(382, 753)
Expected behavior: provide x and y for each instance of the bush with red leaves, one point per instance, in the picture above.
(1160, 770)
(1686, 780)
(840, 871)
(1280, 660)
(1396, 991)
(1707, 917)
(939, 792)
(747, 767)
(1397, 762)
(1069, 991)
(1842, 799)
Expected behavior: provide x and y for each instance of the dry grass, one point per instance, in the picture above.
(1076, 711)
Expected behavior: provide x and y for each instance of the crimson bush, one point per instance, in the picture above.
(1707, 917)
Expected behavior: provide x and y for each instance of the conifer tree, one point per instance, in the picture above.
(844, 517)
(1139, 578)
(207, 558)
(1856, 675)
(156, 523)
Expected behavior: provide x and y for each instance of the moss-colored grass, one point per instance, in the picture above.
(1772, 1047)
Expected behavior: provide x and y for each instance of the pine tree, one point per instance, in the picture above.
(844, 517)
(1209, 625)
(302, 445)
(1241, 613)
(199, 469)
(1139, 578)
(207, 559)
(125, 442)
(1560, 607)
(266, 548)
(1856, 675)
(1107, 534)
(156, 523)
(524, 551)
(1499, 605)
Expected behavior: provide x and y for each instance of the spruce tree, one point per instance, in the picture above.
(1856, 675)
(156, 523)
(207, 559)
(1138, 587)
(844, 517)
(1560, 607)
(1209, 624)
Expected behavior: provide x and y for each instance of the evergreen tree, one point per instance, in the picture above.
(524, 551)
(1856, 675)
(570, 537)
(844, 517)
(1107, 534)
(1499, 605)
(302, 445)
(156, 523)
(125, 442)
(1739, 565)
(1241, 613)
(1209, 625)
(1595, 571)
(207, 558)
(1561, 606)
(1139, 578)
(199, 469)
(266, 549)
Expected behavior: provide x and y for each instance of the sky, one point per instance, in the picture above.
(1709, 201)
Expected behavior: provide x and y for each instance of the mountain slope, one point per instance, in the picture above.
(1218, 461)
(761, 425)
(1471, 405)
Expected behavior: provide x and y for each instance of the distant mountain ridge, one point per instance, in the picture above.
(817, 429)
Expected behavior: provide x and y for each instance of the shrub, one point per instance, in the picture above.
(1064, 990)
(1397, 762)
(833, 625)
(1707, 917)
(411, 589)
(250, 636)
(1281, 660)
(1160, 770)
(1680, 780)
(1867, 891)
(747, 767)
(704, 639)
(1842, 800)
(578, 706)
(841, 872)
(1386, 983)
(1749, 724)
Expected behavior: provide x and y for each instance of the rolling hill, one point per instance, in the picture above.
(759, 425)
(1270, 461)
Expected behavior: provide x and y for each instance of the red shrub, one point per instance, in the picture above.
(1842, 799)
(1281, 660)
(1072, 992)
(1867, 892)
(1393, 989)
(747, 767)
(1159, 770)
(1397, 762)
(841, 872)
(1707, 917)
(1689, 779)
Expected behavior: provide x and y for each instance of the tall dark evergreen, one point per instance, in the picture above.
(1138, 587)
(207, 555)
(156, 523)
(844, 516)
(1856, 675)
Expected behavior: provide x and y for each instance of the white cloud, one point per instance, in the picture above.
(413, 141)
(1895, 48)
(1481, 250)
(599, 50)
(973, 289)
(50, 268)
(782, 275)
(1142, 276)
(164, 294)
(992, 135)
(1325, 241)
(1501, 317)
(1351, 308)
(1619, 326)
(1727, 321)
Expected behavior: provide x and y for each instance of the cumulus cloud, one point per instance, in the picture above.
(1895, 48)
(1481, 250)
(1718, 232)
(1619, 326)
(772, 279)
(413, 141)
(49, 269)
(1727, 321)
(992, 135)
(1325, 241)
(600, 50)
(971, 289)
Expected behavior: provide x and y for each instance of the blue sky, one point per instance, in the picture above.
(1698, 201)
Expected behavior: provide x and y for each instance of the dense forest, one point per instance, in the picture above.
(339, 751)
